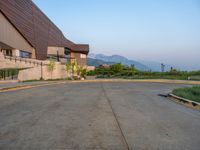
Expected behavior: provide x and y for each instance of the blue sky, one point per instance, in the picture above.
(165, 31)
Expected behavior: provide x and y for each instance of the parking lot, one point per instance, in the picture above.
(97, 116)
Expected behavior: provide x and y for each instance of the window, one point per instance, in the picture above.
(24, 54)
(8, 52)
(83, 56)
(67, 51)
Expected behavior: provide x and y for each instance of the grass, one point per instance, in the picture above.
(125, 72)
(172, 77)
(192, 93)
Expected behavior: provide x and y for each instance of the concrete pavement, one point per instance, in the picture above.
(97, 116)
(17, 84)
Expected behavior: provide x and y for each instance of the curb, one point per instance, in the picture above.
(101, 81)
(184, 100)
(145, 81)
(22, 87)
(9, 81)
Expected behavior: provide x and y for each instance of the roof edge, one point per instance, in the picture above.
(82, 48)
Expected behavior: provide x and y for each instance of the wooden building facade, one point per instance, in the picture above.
(38, 33)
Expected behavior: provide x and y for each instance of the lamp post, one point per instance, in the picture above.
(162, 68)
(41, 72)
(58, 59)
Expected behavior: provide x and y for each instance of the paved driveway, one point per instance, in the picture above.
(16, 84)
(97, 116)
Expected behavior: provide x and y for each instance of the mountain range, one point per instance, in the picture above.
(98, 59)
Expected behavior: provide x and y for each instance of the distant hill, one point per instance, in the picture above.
(103, 59)
(96, 62)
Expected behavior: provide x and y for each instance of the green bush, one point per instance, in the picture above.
(116, 68)
(91, 73)
(9, 72)
(120, 71)
(189, 93)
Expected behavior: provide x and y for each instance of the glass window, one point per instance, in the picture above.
(83, 56)
(24, 54)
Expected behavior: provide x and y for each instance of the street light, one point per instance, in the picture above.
(162, 68)
(58, 59)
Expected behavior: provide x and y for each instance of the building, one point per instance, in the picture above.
(25, 31)
(104, 66)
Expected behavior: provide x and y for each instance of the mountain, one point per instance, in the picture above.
(97, 62)
(118, 59)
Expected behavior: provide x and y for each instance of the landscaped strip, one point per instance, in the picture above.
(119, 71)
(192, 93)
(187, 96)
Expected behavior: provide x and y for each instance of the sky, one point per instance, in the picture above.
(164, 31)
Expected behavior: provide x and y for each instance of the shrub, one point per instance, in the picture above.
(189, 93)
(117, 67)
(51, 66)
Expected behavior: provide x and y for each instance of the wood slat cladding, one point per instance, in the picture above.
(20, 15)
(81, 48)
(41, 30)
(36, 27)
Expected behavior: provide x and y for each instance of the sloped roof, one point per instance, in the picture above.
(36, 27)
(81, 48)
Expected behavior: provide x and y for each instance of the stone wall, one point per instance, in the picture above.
(36, 73)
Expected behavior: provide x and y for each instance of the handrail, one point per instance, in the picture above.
(34, 62)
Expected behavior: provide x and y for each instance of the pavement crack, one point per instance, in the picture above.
(115, 116)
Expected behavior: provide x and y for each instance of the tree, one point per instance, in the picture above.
(81, 72)
(117, 68)
(72, 68)
(133, 69)
(51, 66)
(174, 71)
(69, 68)
(162, 68)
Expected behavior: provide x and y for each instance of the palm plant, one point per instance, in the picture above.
(51, 67)
(69, 69)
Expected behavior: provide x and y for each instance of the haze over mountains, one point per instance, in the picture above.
(98, 59)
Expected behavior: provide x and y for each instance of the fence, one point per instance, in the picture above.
(25, 60)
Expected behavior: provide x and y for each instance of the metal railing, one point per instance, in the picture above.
(34, 63)
(25, 60)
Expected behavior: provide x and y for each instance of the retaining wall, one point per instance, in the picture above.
(37, 72)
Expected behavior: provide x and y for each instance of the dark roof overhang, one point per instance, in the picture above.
(80, 48)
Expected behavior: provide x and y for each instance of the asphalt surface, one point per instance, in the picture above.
(113, 116)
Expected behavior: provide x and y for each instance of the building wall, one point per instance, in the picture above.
(53, 51)
(80, 58)
(10, 36)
